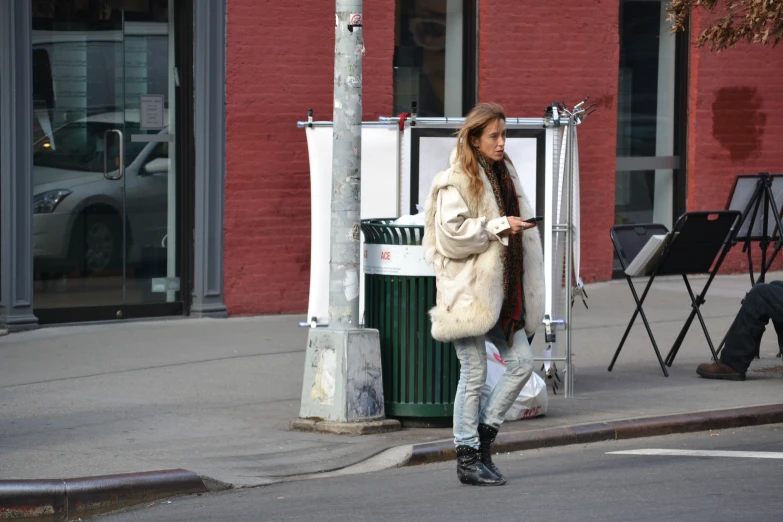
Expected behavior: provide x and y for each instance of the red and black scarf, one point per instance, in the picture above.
(512, 315)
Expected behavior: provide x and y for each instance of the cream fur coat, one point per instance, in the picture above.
(463, 243)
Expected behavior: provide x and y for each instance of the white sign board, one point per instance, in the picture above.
(151, 111)
(380, 172)
(387, 191)
(434, 158)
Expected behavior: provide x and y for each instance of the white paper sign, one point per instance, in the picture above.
(434, 158)
(401, 260)
(151, 111)
(380, 161)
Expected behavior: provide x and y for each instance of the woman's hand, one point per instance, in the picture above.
(518, 225)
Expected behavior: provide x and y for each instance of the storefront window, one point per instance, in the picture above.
(105, 181)
(648, 160)
(434, 56)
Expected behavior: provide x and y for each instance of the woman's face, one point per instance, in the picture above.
(492, 143)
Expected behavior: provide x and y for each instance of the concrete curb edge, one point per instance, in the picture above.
(345, 428)
(67, 499)
(64, 499)
(441, 451)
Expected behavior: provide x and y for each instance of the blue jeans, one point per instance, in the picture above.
(472, 355)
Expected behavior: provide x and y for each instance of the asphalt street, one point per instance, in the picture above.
(727, 475)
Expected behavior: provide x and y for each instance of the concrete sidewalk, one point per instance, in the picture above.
(216, 396)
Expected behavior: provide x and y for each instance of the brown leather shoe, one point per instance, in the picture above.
(719, 370)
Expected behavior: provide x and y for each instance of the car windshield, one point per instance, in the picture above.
(79, 146)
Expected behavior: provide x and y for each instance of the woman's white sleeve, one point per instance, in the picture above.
(458, 236)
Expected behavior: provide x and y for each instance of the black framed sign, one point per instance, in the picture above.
(430, 149)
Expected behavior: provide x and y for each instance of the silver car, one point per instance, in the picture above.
(79, 214)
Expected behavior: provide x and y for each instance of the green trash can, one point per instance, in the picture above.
(420, 374)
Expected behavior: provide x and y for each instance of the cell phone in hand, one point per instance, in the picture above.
(534, 219)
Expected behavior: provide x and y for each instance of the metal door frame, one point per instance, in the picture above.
(201, 170)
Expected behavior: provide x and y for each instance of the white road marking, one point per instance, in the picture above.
(702, 453)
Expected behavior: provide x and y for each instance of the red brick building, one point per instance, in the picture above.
(720, 120)
(127, 103)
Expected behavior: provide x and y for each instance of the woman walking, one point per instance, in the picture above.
(489, 271)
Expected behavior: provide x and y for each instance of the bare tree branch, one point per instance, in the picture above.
(732, 21)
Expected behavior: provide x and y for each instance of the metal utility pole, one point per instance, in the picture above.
(343, 381)
(346, 166)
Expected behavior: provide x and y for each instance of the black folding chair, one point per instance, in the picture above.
(628, 240)
(697, 239)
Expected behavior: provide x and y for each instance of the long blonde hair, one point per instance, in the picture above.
(475, 124)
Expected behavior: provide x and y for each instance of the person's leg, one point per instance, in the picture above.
(779, 330)
(763, 302)
(471, 353)
(778, 325)
(472, 376)
(519, 368)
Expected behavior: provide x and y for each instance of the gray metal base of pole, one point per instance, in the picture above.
(343, 383)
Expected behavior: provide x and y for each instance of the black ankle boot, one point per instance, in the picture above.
(487, 436)
(470, 469)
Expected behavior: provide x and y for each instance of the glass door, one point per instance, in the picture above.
(648, 161)
(104, 175)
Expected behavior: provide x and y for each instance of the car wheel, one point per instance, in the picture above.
(100, 244)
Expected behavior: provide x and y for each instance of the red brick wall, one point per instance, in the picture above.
(279, 62)
(733, 127)
(532, 54)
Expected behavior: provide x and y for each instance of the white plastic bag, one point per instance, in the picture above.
(532, 400)
(415, 219)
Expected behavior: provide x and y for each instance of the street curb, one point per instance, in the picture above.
(59, 500)
(442, 451)
(345, 428)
